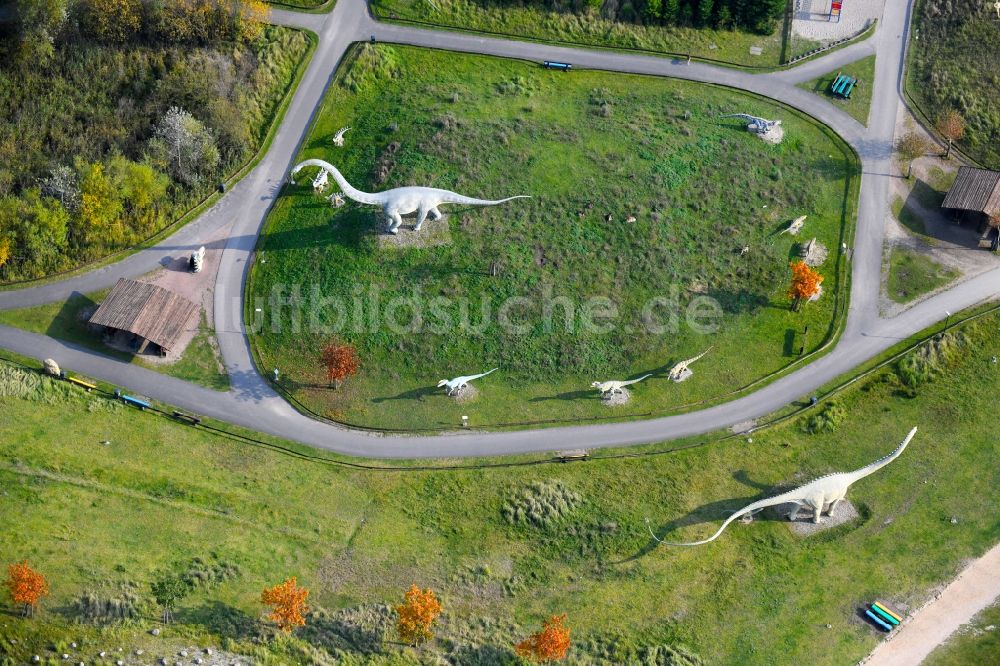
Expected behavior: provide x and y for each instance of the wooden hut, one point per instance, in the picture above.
(975, 196)
(153, 315)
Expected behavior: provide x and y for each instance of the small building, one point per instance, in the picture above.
(975, 197)
(155, 318)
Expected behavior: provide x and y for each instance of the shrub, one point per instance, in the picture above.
(930, 360)
(826, 420)
(110, 605)
(540, 504)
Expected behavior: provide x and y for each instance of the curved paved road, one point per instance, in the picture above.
(253, 404)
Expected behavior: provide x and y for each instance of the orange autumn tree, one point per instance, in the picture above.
(288, 604)
(549, 644)
(26, 586)
(340, 361)
(416, 614)
(805, 283)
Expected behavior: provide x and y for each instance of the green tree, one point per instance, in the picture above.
(35, 229)
(31, 35)
(100, 209)
(168, 589)
(143, 191)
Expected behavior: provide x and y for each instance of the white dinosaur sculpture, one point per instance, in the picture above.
(338, 138)
(400, 201)
(320, 181)
(821, 495)
(453, 386)
(681, 371)
(615, 386)
(795, 227)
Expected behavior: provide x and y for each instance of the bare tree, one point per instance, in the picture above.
(185, 145)
(62, 184)
(952, 127)
(910, 146)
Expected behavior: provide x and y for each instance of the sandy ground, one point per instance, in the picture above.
(975, 588)
(175, 276)
(811, 18)
(954, 246)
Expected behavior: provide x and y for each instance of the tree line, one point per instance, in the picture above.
(758, 16)
(286, 602)
(31, 29)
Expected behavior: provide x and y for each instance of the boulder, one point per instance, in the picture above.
(51, 367)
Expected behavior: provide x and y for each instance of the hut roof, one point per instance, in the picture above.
(975, 189)
(149, 311)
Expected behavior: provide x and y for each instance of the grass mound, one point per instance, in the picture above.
(541, 504)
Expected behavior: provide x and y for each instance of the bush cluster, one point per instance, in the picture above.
(826, 420)
(540, 504)
(930, 360)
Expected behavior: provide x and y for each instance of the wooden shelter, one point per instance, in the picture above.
(150, 313)
(975, 196)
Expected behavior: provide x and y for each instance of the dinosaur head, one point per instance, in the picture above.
(596, 385)
(443, 382)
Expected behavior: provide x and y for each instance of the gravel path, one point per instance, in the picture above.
(975, 588)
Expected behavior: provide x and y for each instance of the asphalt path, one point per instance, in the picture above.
(252, 403)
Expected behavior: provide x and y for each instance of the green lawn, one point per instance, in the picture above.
(912, 274)
(95, 516)
(974, 644)
(861, 96)
(587, 27)
(200, 362)
(700, 189)
(907, 217)
(949, 68)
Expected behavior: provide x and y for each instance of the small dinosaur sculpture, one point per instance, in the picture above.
(338, 138)
(795, 226)
(320, 181)
(821, 495)
(453, 386)
(400, 201)
(615, 386)
(678, 371)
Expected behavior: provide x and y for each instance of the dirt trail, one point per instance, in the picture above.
(974, 589)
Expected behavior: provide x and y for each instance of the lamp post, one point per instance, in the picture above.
(947, 319)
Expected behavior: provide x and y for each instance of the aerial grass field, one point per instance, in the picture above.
(912, 274)
(651, 221)
(587, 26)
(200, 362)
(108, 497)
(948, 69)
(859, 103)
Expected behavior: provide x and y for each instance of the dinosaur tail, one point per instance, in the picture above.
(759, 504)
(638, 379)
(453, 198)
(882, 462)
(488, 372)
(351, 192)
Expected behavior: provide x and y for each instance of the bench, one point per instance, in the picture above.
(79, 382)
(137, 402)
(564, 66)
(181, 416)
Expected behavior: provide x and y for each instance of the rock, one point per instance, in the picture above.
(990, 628)
(163, 661)
(102, 654)
(208, 650)
(73, 645)
(138, 652)
(51, 367)
(197, 660)
(119, 663)
(36, 659)
(65, 656)
(155, 631)
(954, 520)
(184, 653)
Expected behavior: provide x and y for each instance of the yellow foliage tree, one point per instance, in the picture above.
(416, 614)
(549, 644)
(288, 604)
(113, 20)
(5, 250)
(26, 586)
